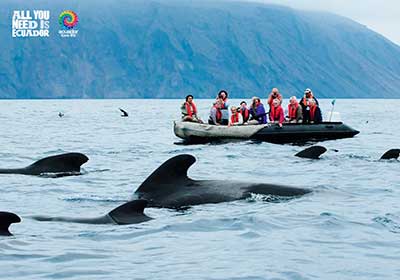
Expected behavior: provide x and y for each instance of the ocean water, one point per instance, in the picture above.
(348, 228)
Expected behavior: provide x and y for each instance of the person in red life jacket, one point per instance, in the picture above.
(257, 112)
(295, 112)
(276, 114)
(274, 95)
(315, 112)
(244, 111)
(215, 113)
(236, 117)
(304, 103)
(189, 110)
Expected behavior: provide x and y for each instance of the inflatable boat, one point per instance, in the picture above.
(193, 133)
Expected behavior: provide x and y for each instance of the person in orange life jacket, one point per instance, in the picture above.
(189, 110)
(276, 114)
(295, 112)
(236, 117)
(308, 94)
(274, 95)
(215, 113)
(244, 111)
(315, 112)
(257, 112)
(223, 95)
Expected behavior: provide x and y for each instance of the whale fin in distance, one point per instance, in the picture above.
(124, 113)
(173, 170)
(6, 219)
(391, 154)
(313, 152)
(130, 213)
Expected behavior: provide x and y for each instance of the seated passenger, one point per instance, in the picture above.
(244, 111)
(295, 112)
(308, 94)
(215, 113)
(223, 96)
(315, 112)
(274, 95)
(189, 110)
(257, 112)
(276, 114)
(236, 117)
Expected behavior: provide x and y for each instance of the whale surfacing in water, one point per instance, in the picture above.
(128, 213)
(6, 219)
(170, 187)
(391, 154)
(312, 152)
(64, 163)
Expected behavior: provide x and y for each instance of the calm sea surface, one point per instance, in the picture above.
(348, 228)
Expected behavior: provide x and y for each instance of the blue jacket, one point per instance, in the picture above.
(259, 114)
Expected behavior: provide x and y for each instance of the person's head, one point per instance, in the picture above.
(276, 103)
(311, 102)
(223, 94)
(233, 109)
(243, 104)
(308, 93)
(293, 100)
(256, 100)
(275, 92)
(189, 98)
(219, 102)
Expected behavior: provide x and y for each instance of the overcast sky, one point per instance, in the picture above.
(381, 16)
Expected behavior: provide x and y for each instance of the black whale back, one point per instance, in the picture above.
(6, 219)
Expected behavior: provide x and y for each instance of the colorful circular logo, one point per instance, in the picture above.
(68, 19)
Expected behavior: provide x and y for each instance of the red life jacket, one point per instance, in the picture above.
(235, 118)
(218, 114)
(191, 109)
(245, 113)
(292, 110)
(312, 112)
(275, 113)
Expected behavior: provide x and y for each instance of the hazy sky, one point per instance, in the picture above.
(381, 16)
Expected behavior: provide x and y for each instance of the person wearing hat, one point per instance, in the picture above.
(223, 96)
(305, 106)
(189, 110)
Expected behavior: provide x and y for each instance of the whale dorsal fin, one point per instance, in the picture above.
(174, 169)
(69, 162)
(313, 152)
(6, 219)
(127, 213)
(391, 154)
